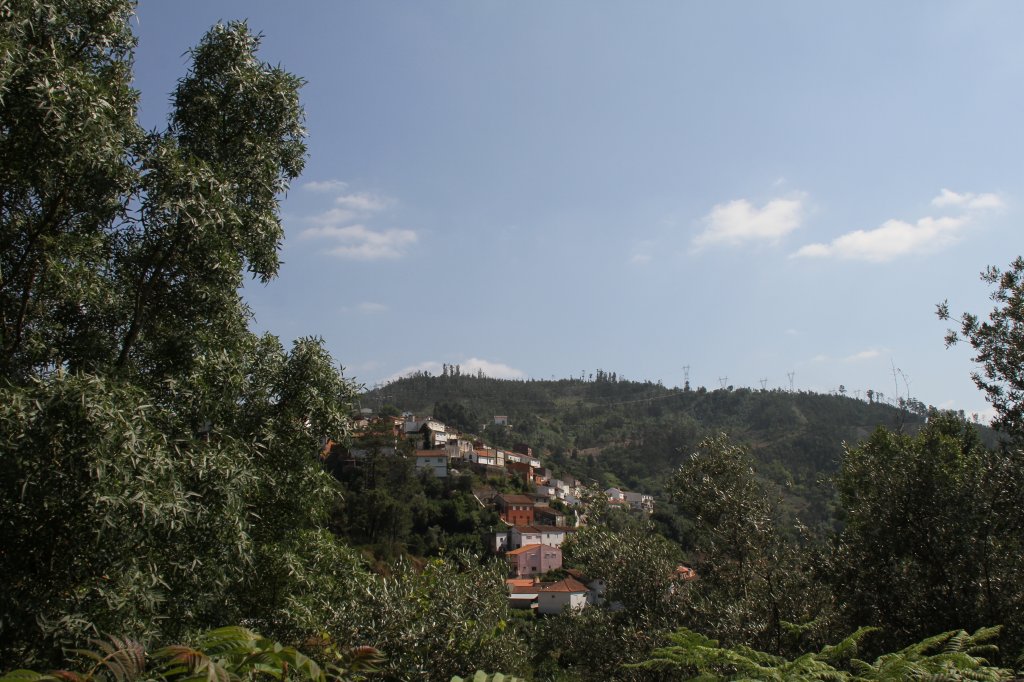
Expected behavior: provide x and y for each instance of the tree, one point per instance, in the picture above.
(932, 535)
(636, 565)
(159, 460)
(752, 581)
(999, 345)
(67, 138)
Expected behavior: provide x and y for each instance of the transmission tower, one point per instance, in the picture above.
(790, 375)
(686, 374)
(764, 383)
(723, 381)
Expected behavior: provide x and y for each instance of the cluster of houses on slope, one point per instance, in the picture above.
(441, 451)
(534, 524)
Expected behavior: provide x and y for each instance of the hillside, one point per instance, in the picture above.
(635, 434)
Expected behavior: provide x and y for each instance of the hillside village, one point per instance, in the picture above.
(533, 524)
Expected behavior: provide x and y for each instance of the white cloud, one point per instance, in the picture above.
(355, 240)
(363, 201)
(361, 243)
(640, 259)
(967, 200)
(894, 238)
(859, 356)
(333, 217)
(495, 370)
(429, 366)
(371, 307)
(740, 221)
(869, 354)
(326, 186)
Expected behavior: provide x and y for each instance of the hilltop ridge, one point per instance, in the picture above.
(634, 434)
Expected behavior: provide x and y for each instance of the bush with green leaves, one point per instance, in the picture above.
(951, 656)
(932, 536)
(229, 654)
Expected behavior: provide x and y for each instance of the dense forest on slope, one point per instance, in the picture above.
(635, 434)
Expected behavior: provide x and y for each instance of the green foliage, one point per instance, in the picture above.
(223, 655)
(158, 459)
(637, 567)
(449, 617)
(634, 434)
(932, 534)
(752, 579)
(593, 646)
(951, 656)
(67, 126)
(391, 508)
(92, 467)
(998, 343)
(481, 676)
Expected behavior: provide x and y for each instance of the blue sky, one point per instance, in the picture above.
(544, 189)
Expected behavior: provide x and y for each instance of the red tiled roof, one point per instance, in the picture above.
(524, 548)
(543, 529)
(685, 573)
(516, 499)
(567, 585)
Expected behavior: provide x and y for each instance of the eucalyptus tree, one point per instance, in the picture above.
(159, 461)
(67, 167)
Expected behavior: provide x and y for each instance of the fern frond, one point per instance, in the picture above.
(27, 676)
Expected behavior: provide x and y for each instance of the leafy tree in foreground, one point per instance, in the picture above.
(449, 618)
(998, 343)
(67, 132)
(752, 581)
(159, 469)
(933, 533)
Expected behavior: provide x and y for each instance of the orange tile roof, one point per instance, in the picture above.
(516, 499)
(567, 585)
(521, 550)
(543, 529)
(524, 548)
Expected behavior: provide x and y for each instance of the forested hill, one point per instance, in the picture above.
(634, 434)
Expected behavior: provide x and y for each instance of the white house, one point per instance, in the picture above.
(459, 448)
(552, 536)
(434, 461)
(639, 501)
(565, 594)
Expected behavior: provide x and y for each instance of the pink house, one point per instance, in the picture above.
(532, 560)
